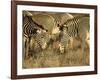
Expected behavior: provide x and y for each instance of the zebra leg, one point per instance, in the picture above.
(71, 42)
(24, 46)
(27, 48)
(44, 46)
(63, 46)
(83, 54)
(87, 40)
(87, 44)
(62, 49)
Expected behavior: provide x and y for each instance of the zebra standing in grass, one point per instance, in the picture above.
(29, 30)
(75, 27)
(32, 33)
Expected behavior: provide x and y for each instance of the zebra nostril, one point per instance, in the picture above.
(42, 37)
(46, 30)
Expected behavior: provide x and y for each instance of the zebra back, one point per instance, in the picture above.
(76, 26)
(60, 18)
(30, 27)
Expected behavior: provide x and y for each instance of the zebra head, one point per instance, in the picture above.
(42, 38)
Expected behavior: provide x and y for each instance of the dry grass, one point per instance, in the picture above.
(52, 58)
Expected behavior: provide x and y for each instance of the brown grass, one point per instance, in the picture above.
(53, 58)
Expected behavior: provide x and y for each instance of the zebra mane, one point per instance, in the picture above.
(38, 25)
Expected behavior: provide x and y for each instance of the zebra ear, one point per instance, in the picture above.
(27, 13)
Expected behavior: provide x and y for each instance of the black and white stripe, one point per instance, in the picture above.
(30, 27)
(76, 27)
(29, 30)
(60, 18)
(33, 32)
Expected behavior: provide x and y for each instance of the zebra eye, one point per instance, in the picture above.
(42, 36)
(67, 27)
(30, 32)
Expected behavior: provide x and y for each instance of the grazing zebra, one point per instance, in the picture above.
(72, 28)
(59, 19)
(31, 33)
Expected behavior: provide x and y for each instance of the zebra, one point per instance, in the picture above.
(32, 32)
(76, 27)
(59, 19)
